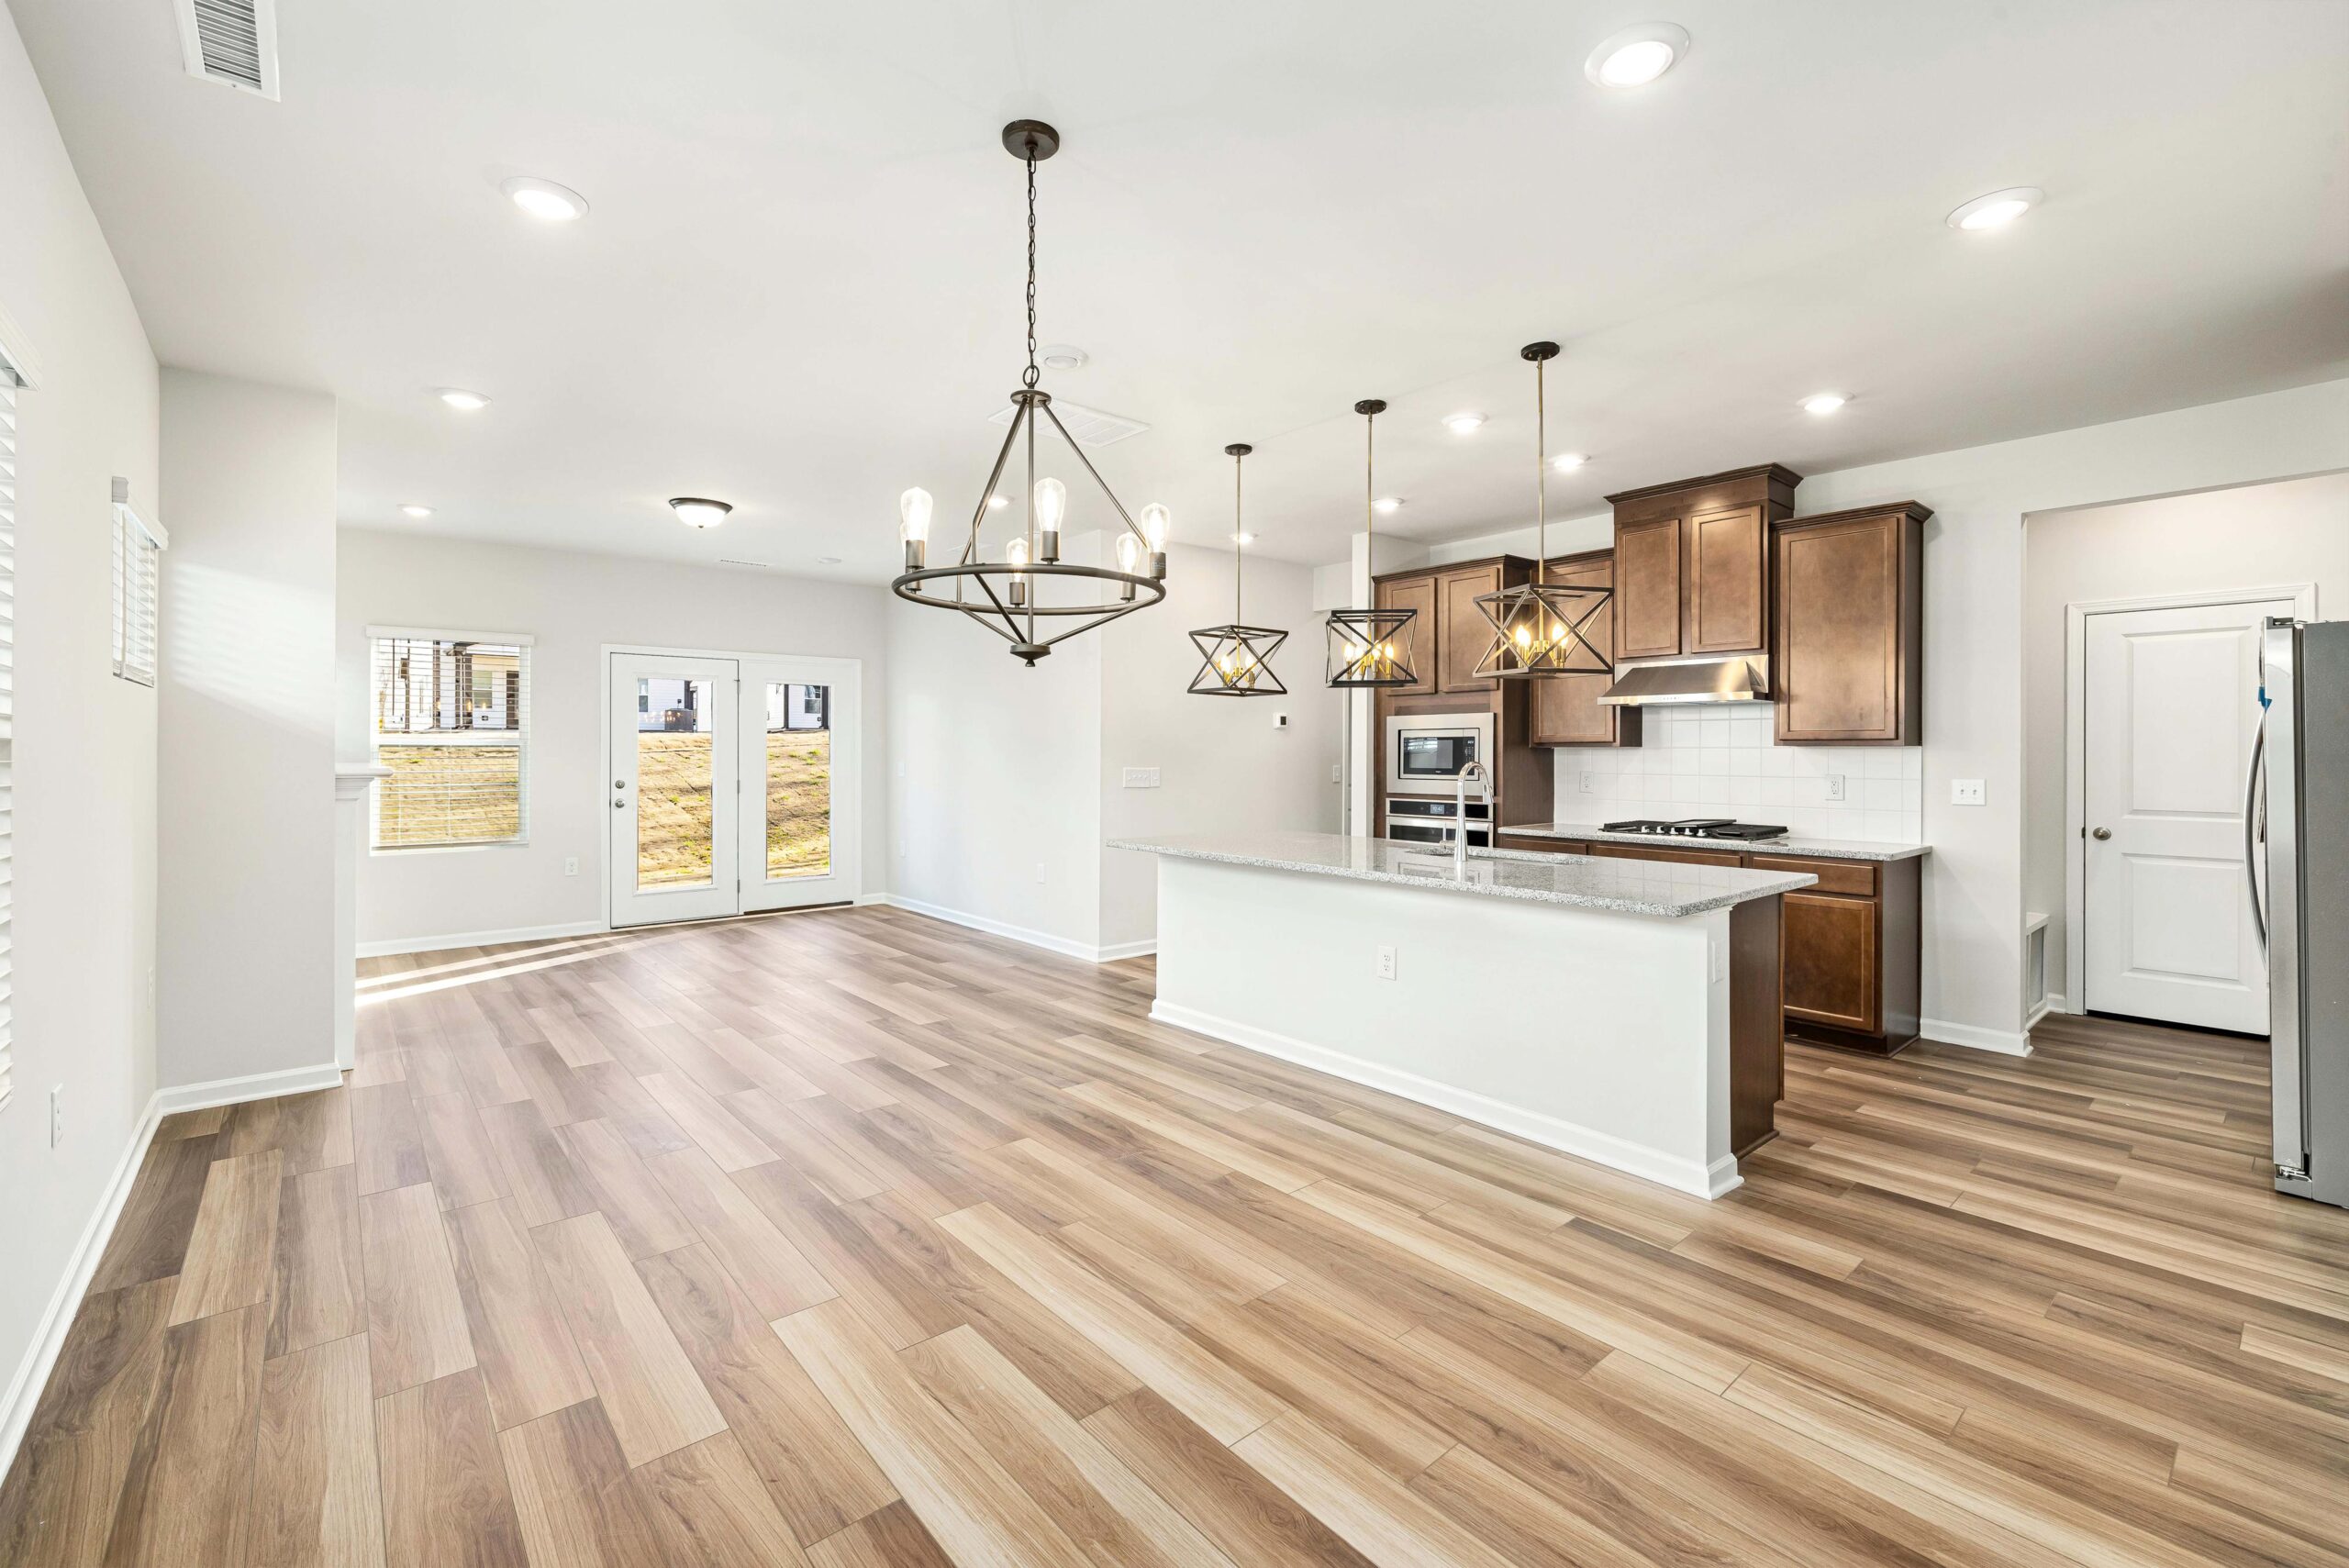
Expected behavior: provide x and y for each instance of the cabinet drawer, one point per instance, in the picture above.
(1855, 878)
(1693, 857)
(1542, 845)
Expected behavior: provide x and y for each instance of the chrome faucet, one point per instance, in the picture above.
(1483, 776)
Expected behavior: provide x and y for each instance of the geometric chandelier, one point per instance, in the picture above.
(1029, 590)
(1371, 646)
(1539, 628)
(1236, 661)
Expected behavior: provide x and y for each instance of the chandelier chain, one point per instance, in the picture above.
(1540, 472)
(1029, 377)
(1238, 541)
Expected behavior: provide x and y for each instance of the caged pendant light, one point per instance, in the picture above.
(1030, 597)
(1371, 646)
(1539, 627)
(1236, 661)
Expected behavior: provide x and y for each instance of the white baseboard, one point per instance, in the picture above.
(2051, 1002)
(2006, 1043)
(1046, 940)
(394, 946)
(1569, 1138)
(253, 1087)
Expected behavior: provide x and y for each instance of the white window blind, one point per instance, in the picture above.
(452, 722)
(7, 720)
(137, 589)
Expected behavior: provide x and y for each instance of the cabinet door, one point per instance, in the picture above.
(1647, 588)
(1464, 634)
(1415, 593)
(1838, 674)
(1728, 581)
(1566, 710)
(1831, 960)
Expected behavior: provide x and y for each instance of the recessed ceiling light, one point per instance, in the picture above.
(1823, 402)
(1463, 424)
(458, 397)
(1637, 56)
(1243, 538)
(544, 199)
(416, 511)
(1063, 357)
(1386, 505)
(998, 501)
(698, 511)
(1997, 209)
(827, 561)
(1566, 463)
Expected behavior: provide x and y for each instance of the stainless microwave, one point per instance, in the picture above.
(1425, 751)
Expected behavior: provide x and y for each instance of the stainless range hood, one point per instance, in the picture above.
(1745, 678)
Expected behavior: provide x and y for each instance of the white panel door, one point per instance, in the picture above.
(799, 762)
(675, 791)
(2172, 707)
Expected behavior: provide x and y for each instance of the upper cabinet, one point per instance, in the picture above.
(1566, 709)
(1464, 632)
(1417, 593)
(1847, 666)
(1693, 562)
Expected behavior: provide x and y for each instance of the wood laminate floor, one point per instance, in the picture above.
(856, 1239)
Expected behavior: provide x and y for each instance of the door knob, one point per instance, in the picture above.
(2104, 832)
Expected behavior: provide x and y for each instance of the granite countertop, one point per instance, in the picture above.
(1581, 882)
(1787, 844)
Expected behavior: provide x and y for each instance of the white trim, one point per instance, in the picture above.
(2076, 682)
(1111, 952)
(1066, 947)
(2051, 1002)
(1571, 1137)
(252, 1086)
(392, 946)
(441, 634)
(65, 1302)
(2006, 1043)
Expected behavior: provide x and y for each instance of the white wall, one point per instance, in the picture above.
(246, 824)
(2258, 536)
(84, 773)
(1222, 765)
(574, 604)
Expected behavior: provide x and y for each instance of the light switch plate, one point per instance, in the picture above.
(1966, 792)
(1141, 778)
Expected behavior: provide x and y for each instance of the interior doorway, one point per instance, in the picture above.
(734, 783)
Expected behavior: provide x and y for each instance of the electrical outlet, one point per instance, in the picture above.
(56, 1114)
(1039, 871)
(571, 865)
(1590, 784)
(1387, 961)
(1835, 786)
(1141, 778)
(1966, 792)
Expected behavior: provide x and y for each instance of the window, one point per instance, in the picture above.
(452, 721)
(7, 709)
(137, 588)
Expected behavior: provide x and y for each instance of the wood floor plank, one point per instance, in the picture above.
(776, 1275)
(538, 1170)
(704, 1504)
(387, 1142)
(529, 1364)
(311, 1131)
(446, 1501)
(893, 1538)
(714, 1128)
(150, 1237)
(317, 1501)
(640, 1210)
(415, 1317)
(571, 1492)
(187, 1495)
(232, 1251)
(457, 1151)
(318, 1291)
(650, 1393)
(1383, 1519)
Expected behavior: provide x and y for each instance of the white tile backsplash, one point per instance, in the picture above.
(1705, 762)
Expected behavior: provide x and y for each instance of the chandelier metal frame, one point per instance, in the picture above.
(1236, 661)
(1369, 648)
(1539, 627)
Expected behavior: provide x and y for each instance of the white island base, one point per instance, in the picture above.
(1648, 1042)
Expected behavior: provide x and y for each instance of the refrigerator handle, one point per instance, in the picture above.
(2255, 823)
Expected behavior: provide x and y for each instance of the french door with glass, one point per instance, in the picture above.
(733, 785)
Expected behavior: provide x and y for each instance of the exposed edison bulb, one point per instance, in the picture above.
(1524, 637)
(1156, 520)
(913, 515)
(1016, 551)
(1128, 553)
(1052, 504)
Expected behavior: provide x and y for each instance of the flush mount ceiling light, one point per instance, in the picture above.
(1463, 424)
(458, 397)
(1370, 647)
(1566, 463)
(1387, 506)
(1539, 628)
(1637, 56)
(997, 501)
(1236, 661)
(698, 511)
(1997, 209)
(413, 510)
(1823, 402)
(1030, 590)
(545, 200)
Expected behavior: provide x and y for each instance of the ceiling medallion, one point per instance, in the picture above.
(1371, 646)
(1539, 627)
(1236, 661)
(1030, 597)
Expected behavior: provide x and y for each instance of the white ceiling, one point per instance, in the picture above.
(799, 287)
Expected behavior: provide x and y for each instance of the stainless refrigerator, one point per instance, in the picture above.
(2296, 855)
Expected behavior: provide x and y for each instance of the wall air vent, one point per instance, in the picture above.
(233, 41)
(1091, 427)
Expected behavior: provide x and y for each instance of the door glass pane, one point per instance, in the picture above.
(799, 781)
(673, 782)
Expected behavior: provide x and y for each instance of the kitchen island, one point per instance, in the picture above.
(1625, 1011)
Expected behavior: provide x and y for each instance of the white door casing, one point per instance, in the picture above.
(2170, 706)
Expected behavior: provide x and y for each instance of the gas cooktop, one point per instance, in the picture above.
(1698, 827)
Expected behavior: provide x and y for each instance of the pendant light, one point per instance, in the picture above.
(1371, 646)
(1236, 661)
(1539, 627)
(1029, 597)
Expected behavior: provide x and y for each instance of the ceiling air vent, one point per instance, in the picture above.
(230, 41)
(1091, 427)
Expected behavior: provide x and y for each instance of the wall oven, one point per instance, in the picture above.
(1425, 751)
(1429, 822)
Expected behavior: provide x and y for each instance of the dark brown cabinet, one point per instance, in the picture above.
(1416, 594)
(1831, 960)
(1462, 631)
(1647, 588)
(1692, 562)
(1846, 669)
(1566, 709)
(1729, 575)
